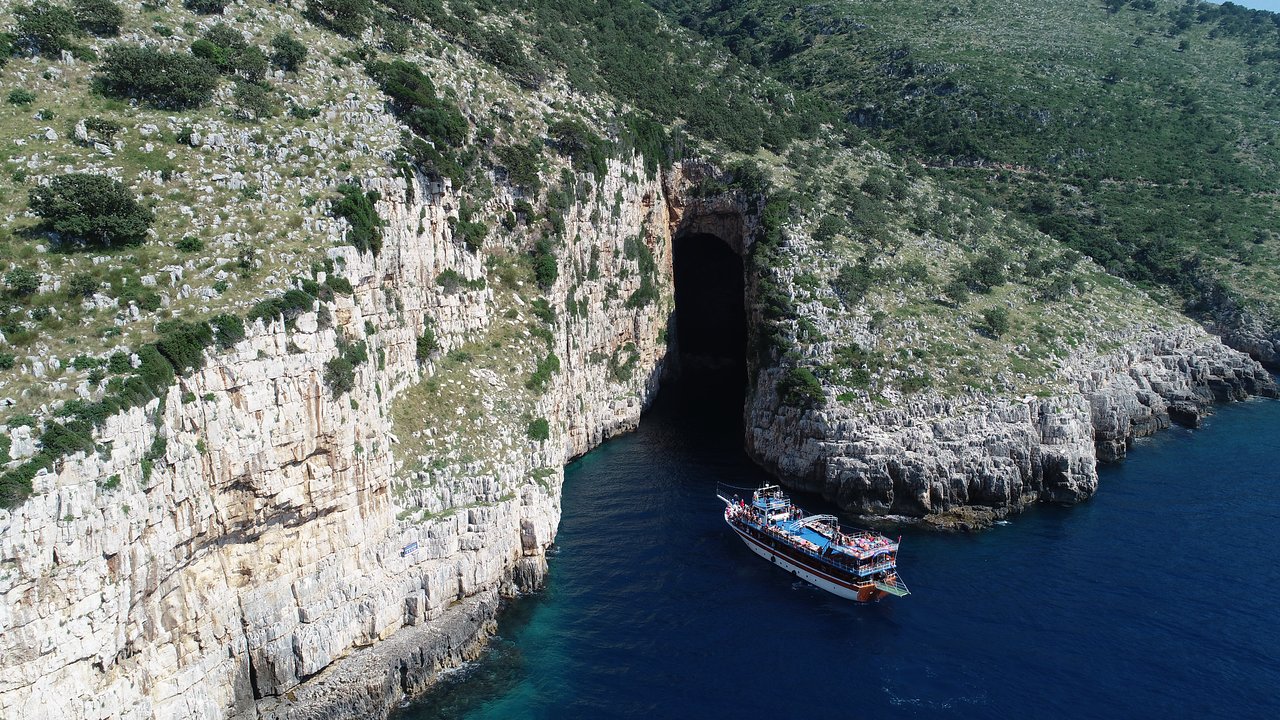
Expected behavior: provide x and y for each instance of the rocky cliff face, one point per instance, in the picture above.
(283, 528)
(294, 554)
(1248, 327)
(937, 456)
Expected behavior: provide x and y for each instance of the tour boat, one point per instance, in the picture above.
(856, 565)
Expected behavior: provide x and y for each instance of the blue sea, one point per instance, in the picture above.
(1158, 598)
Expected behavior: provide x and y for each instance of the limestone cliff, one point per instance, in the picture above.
(284, 528)
(938, 455)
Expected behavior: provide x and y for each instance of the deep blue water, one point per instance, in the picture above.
(1157, 598)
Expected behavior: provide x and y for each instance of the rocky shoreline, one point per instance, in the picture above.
(964, 464)
(373, 681)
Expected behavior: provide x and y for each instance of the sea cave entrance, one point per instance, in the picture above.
(709, 345)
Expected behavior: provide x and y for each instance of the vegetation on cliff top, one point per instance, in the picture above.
(1139, 132)
(202, 167)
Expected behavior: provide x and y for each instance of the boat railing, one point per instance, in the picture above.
(892, 585)
(871, 569)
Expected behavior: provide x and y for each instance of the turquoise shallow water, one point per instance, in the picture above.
(1157, 598)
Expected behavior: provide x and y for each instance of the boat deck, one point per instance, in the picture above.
(795, 529)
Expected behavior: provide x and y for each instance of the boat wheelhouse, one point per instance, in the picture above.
(857, 565)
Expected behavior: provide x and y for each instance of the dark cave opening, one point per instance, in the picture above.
(710, 339)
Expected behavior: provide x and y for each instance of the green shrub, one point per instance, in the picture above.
(339, 284)
(15, 484)
(21, 282)
(427, 343)
(995, 321)
(545, 267)
(91, 210)
(542, 310)
(622, 364)
(225, 48)
(957, 291)
(539, 429)
(339, 376)
(254, 101)
(828, 228)
(542, 373)
(183, 343)
(339, 373)
(190, 243)
(21, 96)
(413, 99)
(82, 285)
(44, 28)
(7, 360)
(345, 17)
(163, 79)
(356, 353)
(852, 282)
(100, 17)
(523, 164)
(205, 7)
(103, 128)
(6, 48)
(357, 208)
(60, 439)
(914, 383)
(584, 148)
(987, 271)
(287, 53)
(800, 387)
(227, 330)
(472, 233)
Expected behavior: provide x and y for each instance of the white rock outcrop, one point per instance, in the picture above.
(265, 545)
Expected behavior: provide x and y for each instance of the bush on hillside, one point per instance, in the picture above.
(226, 49)
(163, 79)
(545, 267)
(100, 17)
(800, 387)
(227, 330)
(356, 207)
(183, 343)
(287, 53)
(413, 99)
(995, 321)
(427, 344)
(583, 147)
(21, 282)
(539, 429)
(82, 285)
(21, 97)
(44, 28)
(254, 101)
(91, 210)
(205, 7)
(339, 373)
(345, 17)
(6, 47)
(522, 163)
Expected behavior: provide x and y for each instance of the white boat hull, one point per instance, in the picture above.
(810, 575)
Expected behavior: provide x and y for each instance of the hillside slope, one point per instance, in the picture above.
(1140, 133)
(287, 405)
